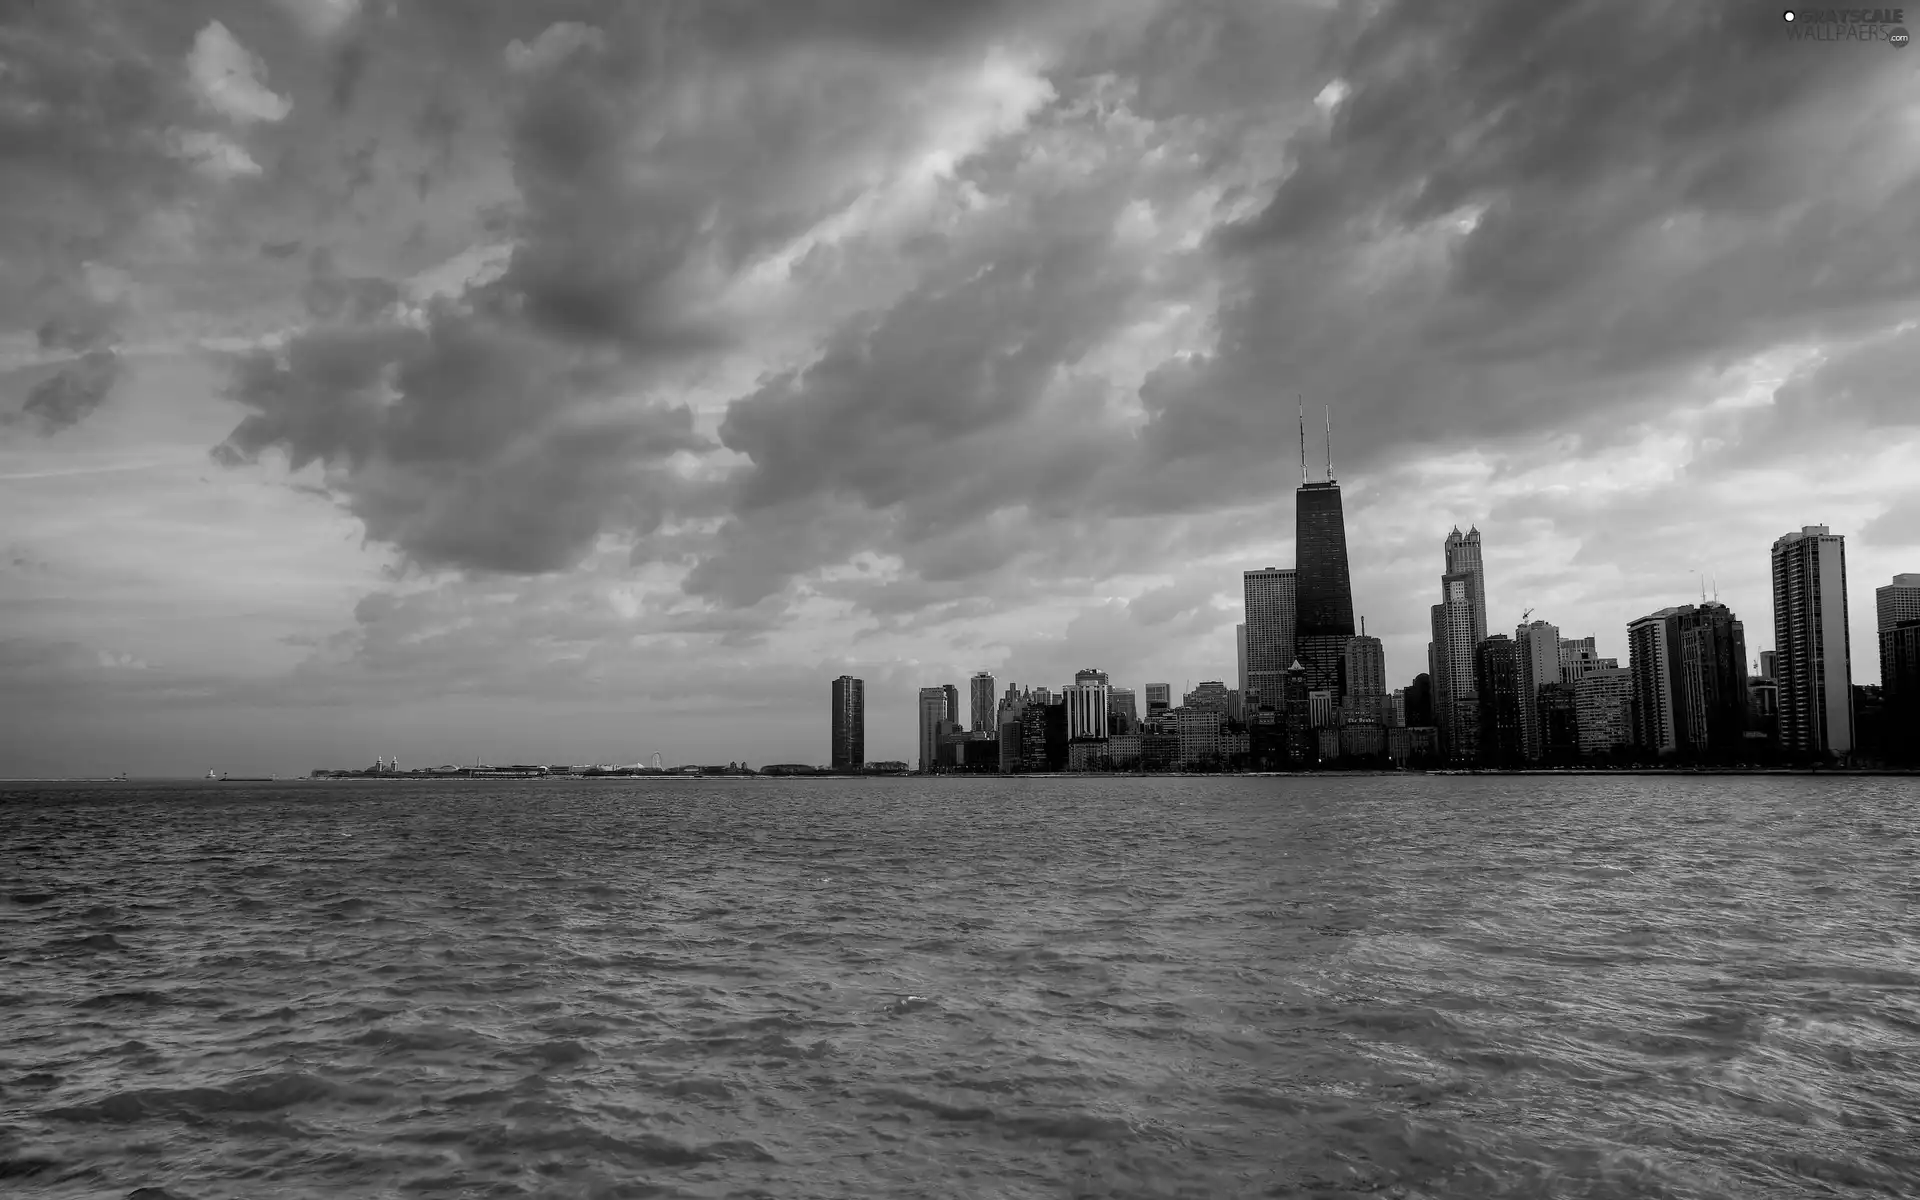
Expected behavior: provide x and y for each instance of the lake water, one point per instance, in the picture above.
(1401, 986)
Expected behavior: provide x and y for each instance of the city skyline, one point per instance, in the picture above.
(347, 406)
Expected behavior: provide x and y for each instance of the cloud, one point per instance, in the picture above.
(556, 43)
(74, 392)
(320, 18)
(227, 77)
(215, 154)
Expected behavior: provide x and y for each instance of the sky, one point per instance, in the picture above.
(571, 381)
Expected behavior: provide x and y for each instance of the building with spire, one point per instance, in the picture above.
(1323, 590)
(1459, 625)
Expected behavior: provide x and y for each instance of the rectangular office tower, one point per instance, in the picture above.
(1812, 654)
(933, 710)
(984, 702)
(849, 723)
(1269, 594)
(1689, 666)
(1323, 592)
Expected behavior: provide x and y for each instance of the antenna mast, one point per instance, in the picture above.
(1303, 439)
(1329, 443)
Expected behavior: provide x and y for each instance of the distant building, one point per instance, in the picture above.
(1496, 678)
(955, 713)
(1459, 625)
(849, 724)
(933, 710)
(984, 702)
(1268, 651)
(1896, 602)
(1767, 659)
(1199, 731)
(1419, 702)
(1122, 715)
(1240, 648)
(1210, 694)
(1159, 698)
(1558, 722)
(1123, 752)
(1603, 711)
(1086, 703)
(1538, 645)
(1900, 690)
(1396, 711)
(1320, 710)
(1366, 669)
(1813, 658)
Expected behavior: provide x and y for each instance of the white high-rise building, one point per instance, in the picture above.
(1812, 648)
(1650, 660)
(1269, 595)
(1896, 602)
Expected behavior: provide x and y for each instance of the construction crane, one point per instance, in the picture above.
(1525, 615)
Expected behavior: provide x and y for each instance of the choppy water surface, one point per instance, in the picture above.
(1413, 987)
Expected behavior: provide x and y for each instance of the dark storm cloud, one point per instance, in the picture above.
(1657, 187)
(74, 392)
(349, 66)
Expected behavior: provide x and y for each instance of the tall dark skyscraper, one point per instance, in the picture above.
(1323, 593)
(849, 723)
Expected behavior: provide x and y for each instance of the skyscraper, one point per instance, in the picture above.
(1159, 699)
(1651, 657)
(849, 751)
(1459, 625)
(1496, 665)
(984, 702)
(1539, 646)
(954, 710)
(1323, 593)
(1896, 602)
(933, 710)
(1121, 707)
(1713, 672)
(1603, 710)
(1240, 648)
(1813, 656)
(1269, 596)
(1366, 674)
(1087, 706)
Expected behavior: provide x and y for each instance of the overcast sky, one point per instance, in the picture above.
(571, 381)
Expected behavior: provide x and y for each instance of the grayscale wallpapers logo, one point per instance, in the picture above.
(1847, 25)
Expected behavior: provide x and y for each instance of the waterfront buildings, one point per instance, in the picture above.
(1897, 629)
(1813, 660)
(849, 724)
(954, 710)
(1650, 657)
(1122, 716)
(1689, 665)
(1269, 598)
(933, 710)
(1240, 649)
(1210, 694)
(1159, 699)
(984, 702)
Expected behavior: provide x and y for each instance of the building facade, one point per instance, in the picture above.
(1812, 650)
(1209, 694)
(1323, 590)
(1539, 649)
(1087, 702)
(933, 710)
(1896, 602)
(1122, 715)
(1652, 657)
(849, 724)
(1496, 675)
(984, 702)
(1268, 650)
(1603, 711)
(1366, 667)
(1159, 698)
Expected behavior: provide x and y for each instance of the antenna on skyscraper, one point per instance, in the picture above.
(1329, 443)
(1303, 440)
